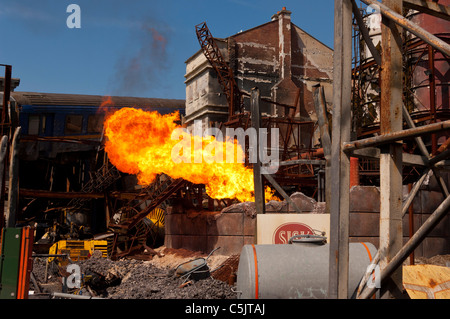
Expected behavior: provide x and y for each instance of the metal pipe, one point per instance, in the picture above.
(412, 244)
(429, 7)
(71, 296)
(354, 171)
(410, 123)
(439, 157)
(444, 146)
(6, 95)
(49, 255)
(282, 192)
(405, 208)
(395, 136)
(424, 151)
(413, 192)
(411, 225)
(432, 97)
(426, 36)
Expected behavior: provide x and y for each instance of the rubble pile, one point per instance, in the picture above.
(135, 279)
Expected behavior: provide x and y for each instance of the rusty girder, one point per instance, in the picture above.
(223, 70)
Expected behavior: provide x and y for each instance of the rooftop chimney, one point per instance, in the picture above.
(285, 91)
(284, 36)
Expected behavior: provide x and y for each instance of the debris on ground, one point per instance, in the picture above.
(438, 260)
(142, 279)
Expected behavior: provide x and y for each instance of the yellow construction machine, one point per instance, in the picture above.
(78, 249)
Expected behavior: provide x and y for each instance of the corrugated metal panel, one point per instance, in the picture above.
(33, 98)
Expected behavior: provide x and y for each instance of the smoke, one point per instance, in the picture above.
(139, 69)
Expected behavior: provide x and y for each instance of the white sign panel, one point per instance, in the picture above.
(279, 228)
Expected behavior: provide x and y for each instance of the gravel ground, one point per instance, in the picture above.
(137, 279)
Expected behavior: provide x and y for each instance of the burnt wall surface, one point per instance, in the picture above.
(235, 226)
(230, 229)
(365, 214)
(279, 58)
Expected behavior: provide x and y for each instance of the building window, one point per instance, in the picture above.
(44, 123)
(33, 125)
(74, 124)
(95, 123)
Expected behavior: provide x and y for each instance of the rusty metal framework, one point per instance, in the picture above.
(397, 125)
(221, 67)
(366, 87)
(299, 164)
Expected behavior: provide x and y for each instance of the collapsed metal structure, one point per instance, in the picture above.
(299, 163)
(396, 125)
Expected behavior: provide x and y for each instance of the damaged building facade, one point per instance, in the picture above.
(283, 61)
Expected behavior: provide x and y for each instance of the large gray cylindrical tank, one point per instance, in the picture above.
(295, 271)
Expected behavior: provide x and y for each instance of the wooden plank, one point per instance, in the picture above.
(427, 281)
(340, 162)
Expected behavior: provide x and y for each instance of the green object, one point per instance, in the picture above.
(9, 263)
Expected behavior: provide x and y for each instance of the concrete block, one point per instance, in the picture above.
(194, 224)
(195, 243)
(173, 224)
(433, 246)
(364, 199)
(442, 229)
(226, 224)
(430, 201)
(364, 224)
(228, 244)
(305, 203)
(249, 226)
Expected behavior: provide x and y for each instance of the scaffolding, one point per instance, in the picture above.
(395, 125)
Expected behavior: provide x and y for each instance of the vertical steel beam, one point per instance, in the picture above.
(340, 161)
(257, 177)
(391, 233)
(6, 97)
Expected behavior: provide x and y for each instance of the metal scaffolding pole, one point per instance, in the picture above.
(391, 251)
(409, 247)
(396, 17)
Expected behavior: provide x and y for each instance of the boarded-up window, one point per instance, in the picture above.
(95, 123)
(74, 124)
(33, 125)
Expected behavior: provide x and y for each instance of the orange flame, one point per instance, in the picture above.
(143, 143)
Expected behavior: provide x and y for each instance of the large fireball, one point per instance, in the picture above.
(148, 144)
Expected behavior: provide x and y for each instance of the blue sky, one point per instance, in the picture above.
(130, 48)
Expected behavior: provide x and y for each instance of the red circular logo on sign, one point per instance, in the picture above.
(284, 232)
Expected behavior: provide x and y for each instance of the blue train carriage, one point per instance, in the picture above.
(53, 124)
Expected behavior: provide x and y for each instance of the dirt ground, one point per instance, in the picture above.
(143, 279)
(155, 278)
(439, 260)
